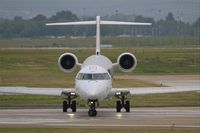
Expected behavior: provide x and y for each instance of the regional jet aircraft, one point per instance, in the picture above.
(94, 80)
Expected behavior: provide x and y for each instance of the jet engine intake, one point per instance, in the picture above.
(67, 62)
(127, 62)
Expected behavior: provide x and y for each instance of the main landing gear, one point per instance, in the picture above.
(92, 111)
(69, 103)
(122, 104)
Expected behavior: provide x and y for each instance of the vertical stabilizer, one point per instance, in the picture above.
(98, 21)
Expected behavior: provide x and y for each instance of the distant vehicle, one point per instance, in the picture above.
(94, 80)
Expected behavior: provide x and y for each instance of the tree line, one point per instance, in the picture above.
(35, 27)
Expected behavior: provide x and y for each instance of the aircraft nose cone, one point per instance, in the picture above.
(95, 90)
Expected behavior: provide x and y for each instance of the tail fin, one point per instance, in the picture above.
(98, 22)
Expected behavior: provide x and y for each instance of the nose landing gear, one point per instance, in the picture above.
(92, 111)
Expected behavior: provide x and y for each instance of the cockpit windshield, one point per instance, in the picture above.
(93, 76)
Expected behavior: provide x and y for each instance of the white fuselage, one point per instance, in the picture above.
(94, 80)
(93, 86)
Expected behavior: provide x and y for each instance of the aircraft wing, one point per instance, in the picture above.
(152, 90)
(38, 91)
(161, 90)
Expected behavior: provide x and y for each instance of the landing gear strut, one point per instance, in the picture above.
(69, 103)
(92, 111)
(122, 104)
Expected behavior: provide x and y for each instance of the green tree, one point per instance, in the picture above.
(64, 16)
(170, 17)
(196, 27)
(40, 17)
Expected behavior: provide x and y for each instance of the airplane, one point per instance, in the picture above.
(94, 80)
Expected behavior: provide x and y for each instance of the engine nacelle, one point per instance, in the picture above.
(127, 62)
(67, 62)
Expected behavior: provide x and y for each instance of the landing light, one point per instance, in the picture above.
(72, 93)
(118, 93)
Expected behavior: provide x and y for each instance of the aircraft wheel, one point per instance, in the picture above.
(73, 106)
(92, 112)
(118, 106)
(127, 106)
(65, 106)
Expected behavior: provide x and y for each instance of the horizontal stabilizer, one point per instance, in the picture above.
(98, 22)
(123, 23)
(72, 23)
(101, 23)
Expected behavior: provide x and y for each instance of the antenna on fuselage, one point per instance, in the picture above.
(98, 22)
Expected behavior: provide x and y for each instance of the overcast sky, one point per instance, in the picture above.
(190, 9)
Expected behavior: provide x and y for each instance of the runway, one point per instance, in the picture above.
(177, 117)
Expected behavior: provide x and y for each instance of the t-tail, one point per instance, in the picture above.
(98, 22)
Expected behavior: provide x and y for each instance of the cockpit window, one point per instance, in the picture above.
(94, 76)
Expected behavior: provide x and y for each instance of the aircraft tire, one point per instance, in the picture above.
(92, 112)
(73, 106)
(118, 106)
(65, 106)
(127, 106)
